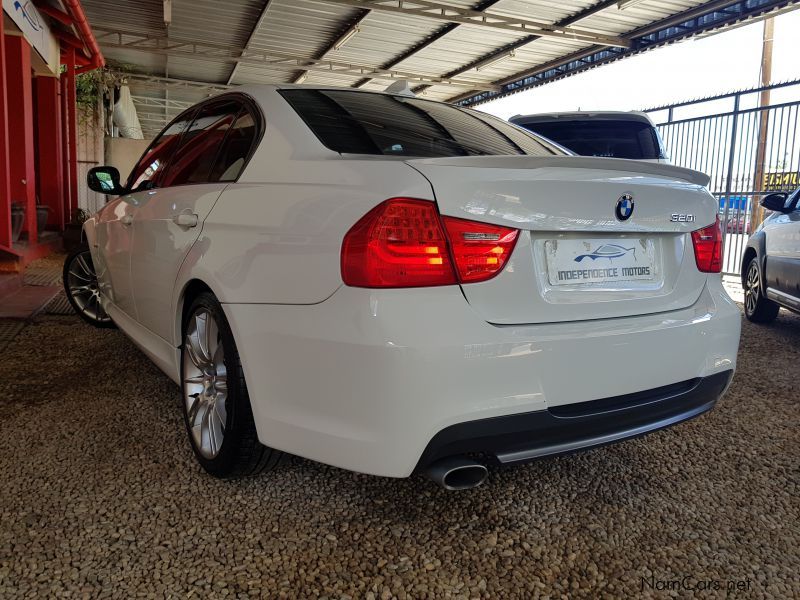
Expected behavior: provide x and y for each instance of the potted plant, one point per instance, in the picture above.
(17, 221)
(72, 230)
(42, 211)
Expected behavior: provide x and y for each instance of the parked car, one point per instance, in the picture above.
(738, 223)
(771, 263)
(610, 134)
(389, 285)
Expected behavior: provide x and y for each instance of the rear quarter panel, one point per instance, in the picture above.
(278, 241)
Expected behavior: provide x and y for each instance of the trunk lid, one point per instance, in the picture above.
(575, 259)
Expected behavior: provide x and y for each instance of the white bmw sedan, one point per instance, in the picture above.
(389, 285)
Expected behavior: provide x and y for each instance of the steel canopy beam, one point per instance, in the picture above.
(706, 17)
(336, 43)
(467, 16)
(252, 35)
(161, 102)
(582, 14)
(161, 44)
(143, 80)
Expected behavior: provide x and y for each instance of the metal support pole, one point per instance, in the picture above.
(51, 169)
(5, 171)
(729, 176)
(20, 104)
(757, 213)
(72, 139)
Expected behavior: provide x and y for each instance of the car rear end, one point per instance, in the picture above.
(609, 134)
(520, 306)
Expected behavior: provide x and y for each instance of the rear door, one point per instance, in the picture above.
(169, 219)
(599, 238)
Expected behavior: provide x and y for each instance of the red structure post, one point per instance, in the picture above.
(20, 104)
(5, 177)
(66, 189)
(50, 165)
(72, 139)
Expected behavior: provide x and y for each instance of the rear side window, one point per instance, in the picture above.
(352, 122)
(236, 148)
(195, 157)
(603, 137)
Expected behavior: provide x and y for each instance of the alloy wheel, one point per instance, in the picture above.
(205, 383)
(752, 288)
(83, 288)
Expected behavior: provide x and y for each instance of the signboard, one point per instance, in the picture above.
(781, 181)
(33, 26)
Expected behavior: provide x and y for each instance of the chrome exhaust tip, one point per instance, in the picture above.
(457, 473)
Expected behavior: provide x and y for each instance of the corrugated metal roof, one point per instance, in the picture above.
(207, 38)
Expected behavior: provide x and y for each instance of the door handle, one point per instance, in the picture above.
(185, 220)
(126, 219)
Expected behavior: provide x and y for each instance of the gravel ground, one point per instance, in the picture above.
(100, 496)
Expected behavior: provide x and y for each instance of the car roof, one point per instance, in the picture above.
(604, 115)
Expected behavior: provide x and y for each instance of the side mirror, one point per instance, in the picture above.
(105, 180)
(776, 202)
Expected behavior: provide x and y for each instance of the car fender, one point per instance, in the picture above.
(88, 234)
(758, 242)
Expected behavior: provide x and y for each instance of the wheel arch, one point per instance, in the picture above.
(756, 246)
(190, 290)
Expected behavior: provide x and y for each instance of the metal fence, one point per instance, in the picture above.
(747, 142)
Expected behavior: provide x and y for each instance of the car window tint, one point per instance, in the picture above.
(236, 149)
(155, 158)
(367, 123)
(602, 137)
(195, 156)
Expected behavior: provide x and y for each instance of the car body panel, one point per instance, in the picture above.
(159, 246)
(360, 382)
(555, 200)
(113, 236)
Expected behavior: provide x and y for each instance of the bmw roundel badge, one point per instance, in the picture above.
(624, 208)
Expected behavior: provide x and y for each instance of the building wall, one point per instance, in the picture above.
(90, 154)
(123, 153)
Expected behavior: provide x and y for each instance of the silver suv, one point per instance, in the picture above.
(771, 264)
(608, 134)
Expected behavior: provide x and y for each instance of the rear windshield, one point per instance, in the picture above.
(606, 137)
(353, 122)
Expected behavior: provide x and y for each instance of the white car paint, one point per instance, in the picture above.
(364, 378)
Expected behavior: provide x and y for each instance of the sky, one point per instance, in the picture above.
(692, 69)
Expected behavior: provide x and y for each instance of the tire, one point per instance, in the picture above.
(81, 288)
(216, 404)
(757, 307)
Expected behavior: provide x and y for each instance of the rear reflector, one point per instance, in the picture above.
(402, 243)
(707, 244)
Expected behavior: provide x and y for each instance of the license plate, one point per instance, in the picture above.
(571, 262)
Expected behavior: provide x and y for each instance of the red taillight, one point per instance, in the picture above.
(480, 250)
(708, 248)
(402, 243)
(399, 243)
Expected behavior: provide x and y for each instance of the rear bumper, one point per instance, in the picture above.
(368, 378)
(519, 438)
